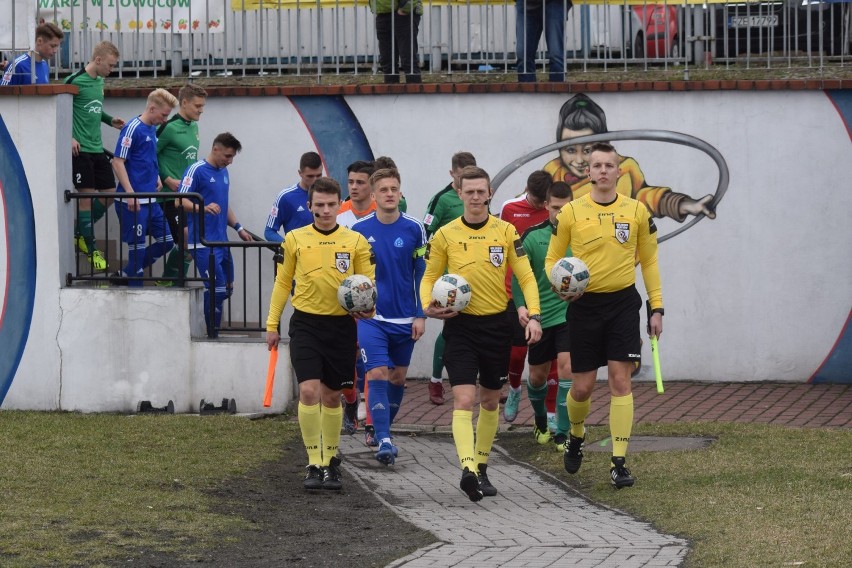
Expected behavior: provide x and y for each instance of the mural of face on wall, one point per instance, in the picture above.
(581, 116)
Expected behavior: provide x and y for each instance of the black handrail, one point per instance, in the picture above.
(181, 280)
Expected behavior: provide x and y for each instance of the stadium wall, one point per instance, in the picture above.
(734, 307)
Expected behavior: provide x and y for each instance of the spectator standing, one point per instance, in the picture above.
(397, 23)
(533, 16)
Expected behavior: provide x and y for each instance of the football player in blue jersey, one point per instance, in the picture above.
(209, 177)
(387, 340)
(290, 209)
(136, 169)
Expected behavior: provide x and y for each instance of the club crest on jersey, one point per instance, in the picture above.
(342, 261)
(126, 142)
(398, 243)
(187, 181)
(496, 255)
(622, 232)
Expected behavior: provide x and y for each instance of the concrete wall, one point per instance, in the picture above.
(761, 293)
(92, 349)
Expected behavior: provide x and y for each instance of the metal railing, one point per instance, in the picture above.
(254, 268)
(332, 37)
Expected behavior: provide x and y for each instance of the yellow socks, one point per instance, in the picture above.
(620, 423)
(311, 426)
(332, 422)
(463, 437)
(486, 430)
(577, 413)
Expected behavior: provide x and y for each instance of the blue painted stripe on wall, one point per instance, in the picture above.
(20, 246)
(837, 367)
(338, 135)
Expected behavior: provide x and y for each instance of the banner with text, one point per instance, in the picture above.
(241, 5)
(135, 16)
(17, 25)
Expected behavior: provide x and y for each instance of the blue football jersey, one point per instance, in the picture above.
(399, 248)
(290, 210)
(137, 144)
(19, 72)
(213, 184)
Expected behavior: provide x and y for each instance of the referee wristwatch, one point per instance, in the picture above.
(536, 317)
(660, 311)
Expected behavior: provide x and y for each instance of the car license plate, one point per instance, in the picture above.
(770, 21)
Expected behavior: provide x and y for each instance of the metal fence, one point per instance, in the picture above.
(331, 37)
(246, 307)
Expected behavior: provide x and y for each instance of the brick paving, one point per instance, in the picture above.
(794, 404)
(538, 521)
(535, 521)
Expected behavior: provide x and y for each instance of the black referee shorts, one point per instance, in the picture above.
(322, 347)
(477, 346)
(604, 327)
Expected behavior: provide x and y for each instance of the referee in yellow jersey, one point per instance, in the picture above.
(608, 231)
(322, 334)
(480, 248)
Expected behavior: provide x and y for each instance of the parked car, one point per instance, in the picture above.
(604, 30)
(662, 30)
(782, 27)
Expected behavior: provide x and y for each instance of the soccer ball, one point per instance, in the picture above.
(357, 293)
(569, 277)
(452, 291)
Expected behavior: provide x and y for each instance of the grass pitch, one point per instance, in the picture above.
(759, 496)
(91, 489)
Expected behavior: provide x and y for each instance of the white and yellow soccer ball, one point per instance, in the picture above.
(570, 277)
(452, 291)
(357, 293)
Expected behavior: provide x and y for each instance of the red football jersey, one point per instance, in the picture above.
(520, 213)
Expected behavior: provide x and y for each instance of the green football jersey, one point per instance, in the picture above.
(536, 239)
(445, 206)
(88, 111)
(177, 147)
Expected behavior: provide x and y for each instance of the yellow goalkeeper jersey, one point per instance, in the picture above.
(319, 261)
(609, 238)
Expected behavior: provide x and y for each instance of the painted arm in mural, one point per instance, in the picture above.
(662, 201)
